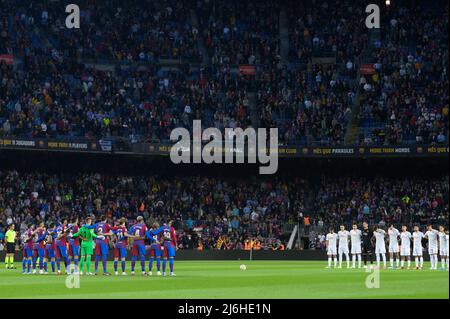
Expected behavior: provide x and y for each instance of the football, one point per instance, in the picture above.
(243, 267)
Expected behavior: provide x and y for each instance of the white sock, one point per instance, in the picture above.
(335, 262)
(329, 261)
(447, 263)
(348, 260)
(442, 263)
(433, 262)
(391, 262)
(353, 260)
(421, 261)
(378, 260)
(403, 263)
(409, 263)
(359, 261)
(416, 261)
(398, 262)
(340, 260)
(384, 260)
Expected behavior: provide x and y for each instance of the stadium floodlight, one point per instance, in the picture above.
(388, 2)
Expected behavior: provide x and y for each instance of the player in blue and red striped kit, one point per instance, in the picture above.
(61, 247)
(50, 245)
(47, 245)
(120, 248)
(35, 250)
(101, 245)
(74, 244)
(169, 246)
(41, 231)
(28, 248)
(138, 231)
(155, 248)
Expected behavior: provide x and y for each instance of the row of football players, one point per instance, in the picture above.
(57, 243)
(438, 242)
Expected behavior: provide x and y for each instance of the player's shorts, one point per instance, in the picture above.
(61, 252)
(120, 252)
(138, 250)
(417, 251)
(343, 249)
(28, 252)
(74, 250)
(41, 253)
(331, 251)
(49, 252)
(168, 250)
(356, 249)
(393, 248)
(101, 249)
(10, 248)
(432, 250)
(380, 250)
(443, 252)
(405, 251)
(87, 250)
(155, 251)
(367, 250)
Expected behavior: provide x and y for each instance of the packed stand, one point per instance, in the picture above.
(141, 31)
(204, 208)
(138, 104)
(222, 213)
(318, 29)
(307, 109)
(406, 101)
(52, 93)
(240, 32)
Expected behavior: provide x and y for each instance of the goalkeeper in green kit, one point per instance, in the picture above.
(87, 237)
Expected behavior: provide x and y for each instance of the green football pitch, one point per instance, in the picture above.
(224, 279)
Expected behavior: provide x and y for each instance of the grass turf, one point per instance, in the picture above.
(224, 279)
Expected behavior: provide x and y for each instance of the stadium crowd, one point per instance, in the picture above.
(313, 112)
(222, 213)
(53, 92)
(96, 104)
(407, 100)
(314, 32)
(240, 32)
(139, 31)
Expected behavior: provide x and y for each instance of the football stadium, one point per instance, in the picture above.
(212, 149)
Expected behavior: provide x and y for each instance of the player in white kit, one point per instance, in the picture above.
(448, 251)
(331, 241)
(380, 245)
(405, 248)
(443, 247)
(393, 246)
(432, 236)
(355, 237)
(343, 236)
(417, 247)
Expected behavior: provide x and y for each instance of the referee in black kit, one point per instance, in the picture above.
(367, 244)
